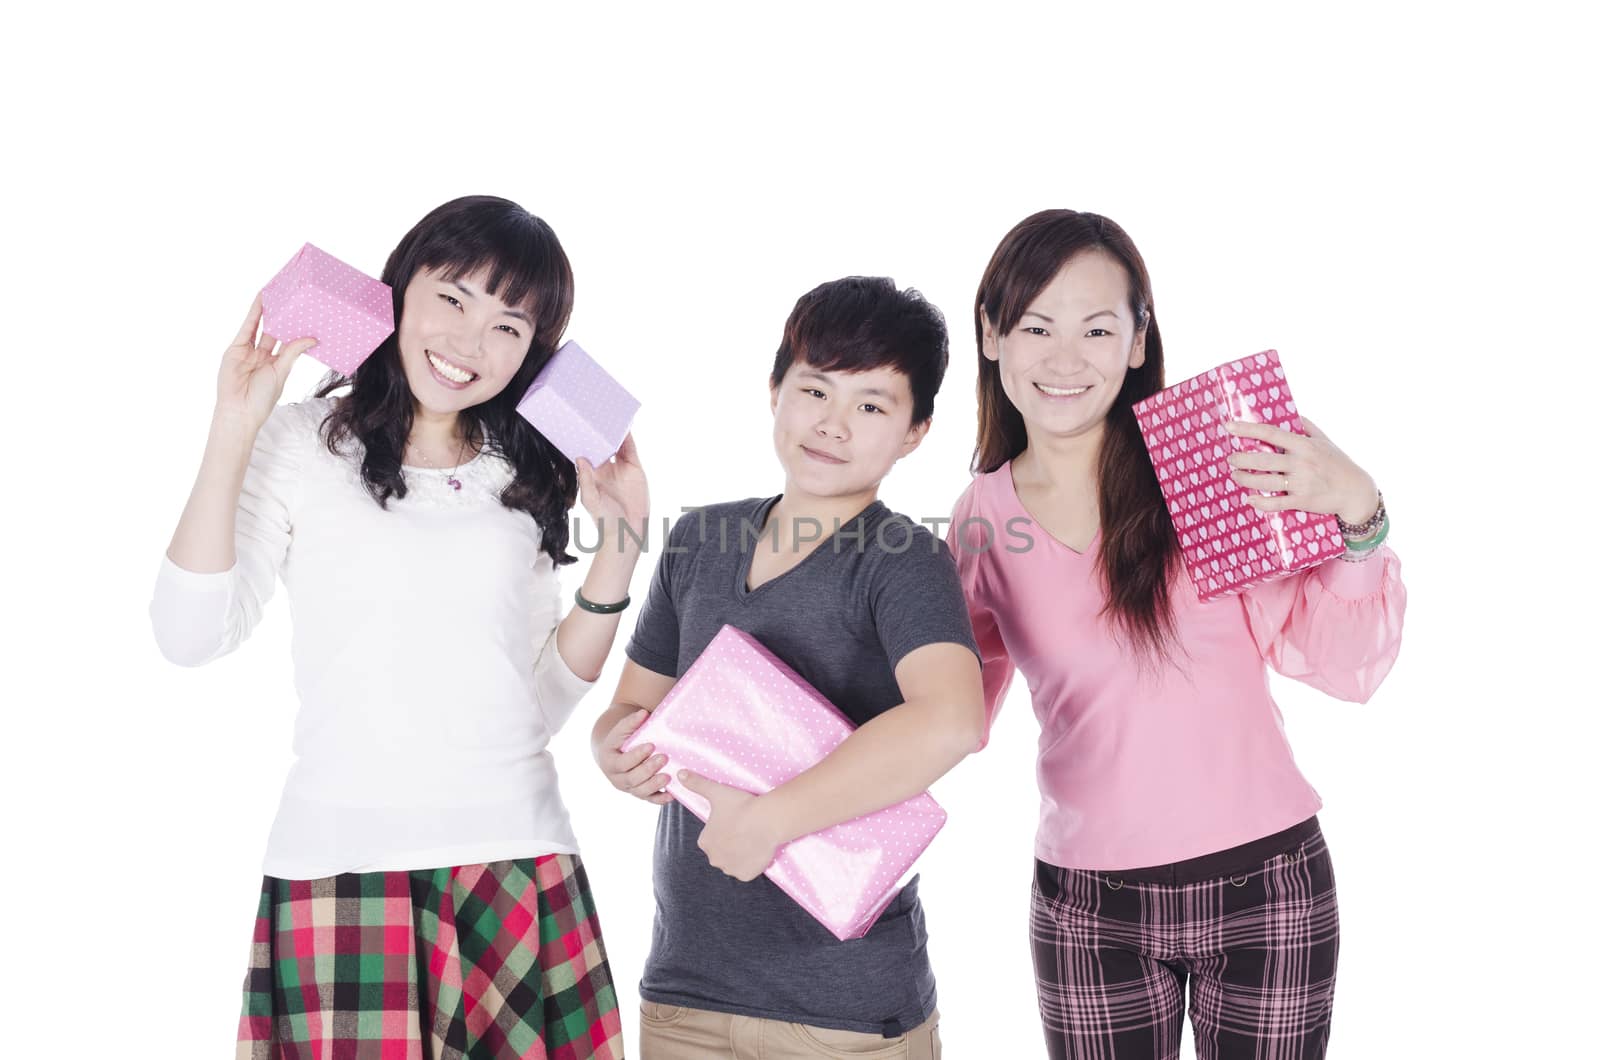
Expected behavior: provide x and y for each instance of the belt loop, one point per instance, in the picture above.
(892, 1029)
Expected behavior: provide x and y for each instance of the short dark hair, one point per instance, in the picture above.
(864, 322)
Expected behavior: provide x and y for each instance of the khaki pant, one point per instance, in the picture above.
(667, 1032)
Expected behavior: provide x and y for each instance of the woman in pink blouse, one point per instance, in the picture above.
(1178, 843)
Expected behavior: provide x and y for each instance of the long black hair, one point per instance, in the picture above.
(1138, 548)
(527, 268)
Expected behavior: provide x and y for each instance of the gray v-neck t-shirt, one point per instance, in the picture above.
(843, 618)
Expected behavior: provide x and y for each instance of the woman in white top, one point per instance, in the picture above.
(422, 892)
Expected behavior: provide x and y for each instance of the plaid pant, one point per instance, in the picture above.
(1257, 948)
(474, 962)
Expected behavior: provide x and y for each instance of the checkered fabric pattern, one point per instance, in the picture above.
(474, 962)
(1257, 952)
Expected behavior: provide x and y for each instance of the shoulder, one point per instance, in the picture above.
(979, 499)
(300, 419)
(914, 590)
(898, 548)
(715, 522)
(745, 508)
(311, 411)
(293, 428)
(979, 517)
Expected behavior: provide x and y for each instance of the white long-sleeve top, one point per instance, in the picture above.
(424, 657)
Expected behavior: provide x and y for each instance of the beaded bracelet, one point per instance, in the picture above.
(1362, 529)
(601, 609)
(1369, 544)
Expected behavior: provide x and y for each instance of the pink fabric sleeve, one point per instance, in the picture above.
(1335, 627)
(997, 665)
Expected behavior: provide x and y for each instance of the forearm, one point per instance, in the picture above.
(585, 638)
(892, 758)
(607, 721)
(203, 540)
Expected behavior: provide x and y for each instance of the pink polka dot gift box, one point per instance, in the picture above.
(1227, 545)
(578, 406)
(740, 716)
(318, 296)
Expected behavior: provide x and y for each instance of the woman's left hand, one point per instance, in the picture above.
(1310, 474)
(616, 492)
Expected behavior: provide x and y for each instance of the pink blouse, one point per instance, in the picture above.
(1141, 767)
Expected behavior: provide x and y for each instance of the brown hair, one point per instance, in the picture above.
(1138, 547)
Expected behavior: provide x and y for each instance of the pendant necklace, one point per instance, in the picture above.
(449, 476)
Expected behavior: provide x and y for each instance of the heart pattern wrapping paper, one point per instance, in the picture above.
(1227, 545)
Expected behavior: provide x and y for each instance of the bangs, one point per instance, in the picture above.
(519, 276)
(849, 353)
(1037, 249)
(1034, 260)
(518, 253)
(859, 323)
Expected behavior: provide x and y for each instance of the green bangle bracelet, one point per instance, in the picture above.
(1372, 542)
(600, 609)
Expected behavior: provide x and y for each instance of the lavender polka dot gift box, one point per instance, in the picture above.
(578, 406)
(1227, 545)
(318, 296)
(741, 716)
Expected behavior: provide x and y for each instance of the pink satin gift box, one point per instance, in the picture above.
(740, 716)
(578, 406)
(318, 296)
(1227, 545)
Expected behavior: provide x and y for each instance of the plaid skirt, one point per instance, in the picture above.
(475, 961)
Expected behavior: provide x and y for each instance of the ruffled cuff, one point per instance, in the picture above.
(1356, 581)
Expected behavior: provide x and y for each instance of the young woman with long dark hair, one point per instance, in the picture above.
(423, 893)
(1178, 847)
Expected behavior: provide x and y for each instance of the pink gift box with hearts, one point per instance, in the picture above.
(578, 406)
(1228, 546)
(318, 296)
(742, 717)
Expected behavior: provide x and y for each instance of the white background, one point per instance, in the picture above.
(1400, 198)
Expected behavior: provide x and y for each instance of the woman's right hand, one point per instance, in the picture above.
(252, 376)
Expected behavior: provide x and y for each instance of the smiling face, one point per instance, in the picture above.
(837, 434)
(459, 344)
(1063, 364)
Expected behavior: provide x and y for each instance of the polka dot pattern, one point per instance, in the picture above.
(740, 716)
(1227, 545)
(318, 296)
(578, 406)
